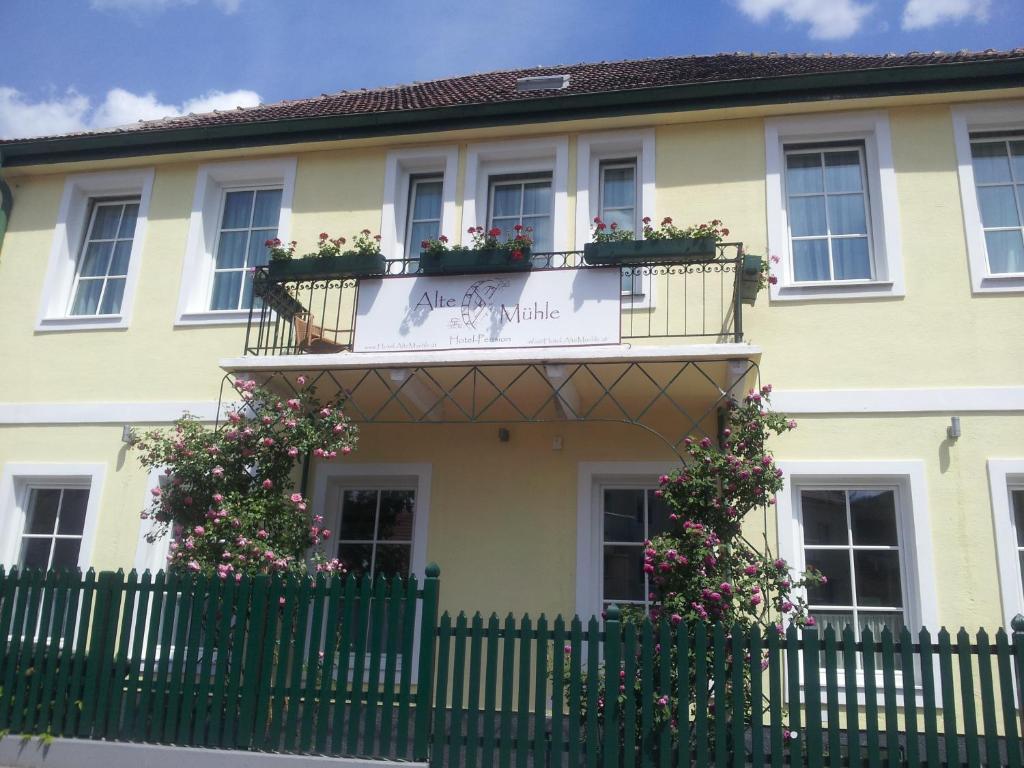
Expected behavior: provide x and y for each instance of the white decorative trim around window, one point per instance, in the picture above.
(16, 483)
(1004, 477)
(987, 118)
(73, 217)
(907, 478)
(593, 149)
(591, 477)
(400, 168)
(151, 556)
(212, 182)
(872, 130)
(550, 155)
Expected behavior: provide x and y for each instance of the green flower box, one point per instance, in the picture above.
(327, 267)
(646, 251)
(750, 278)
(473, 261)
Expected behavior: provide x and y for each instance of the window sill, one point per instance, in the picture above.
(83, 323)
(213, 317)
(861, 289)
(1009, 282)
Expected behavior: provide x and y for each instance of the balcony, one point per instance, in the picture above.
(671, 302)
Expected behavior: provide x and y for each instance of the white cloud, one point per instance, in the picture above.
(828, 19)
(921, 14)
(73, 112)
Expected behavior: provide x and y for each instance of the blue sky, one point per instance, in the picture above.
(78, 64)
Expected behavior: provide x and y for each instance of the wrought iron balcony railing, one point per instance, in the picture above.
(665, 300)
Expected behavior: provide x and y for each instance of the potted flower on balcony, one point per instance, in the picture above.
(667, 243)
(363, 259)
(755, 274)
(487, 253)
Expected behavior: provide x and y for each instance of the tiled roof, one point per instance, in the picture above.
(595, 78)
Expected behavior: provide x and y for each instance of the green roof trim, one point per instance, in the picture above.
(865, 83)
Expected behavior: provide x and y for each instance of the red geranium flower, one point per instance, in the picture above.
(324, 236)
(517, 255)
(424, 244)
(495, 232)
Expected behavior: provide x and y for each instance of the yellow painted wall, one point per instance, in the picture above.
(503, 517)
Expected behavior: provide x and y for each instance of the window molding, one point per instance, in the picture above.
(400, 166)
(871, 128)
(212, 180)
(418, 474)
(151, 557)
(591, 475)
(984, 117)
(526, 156)
(16, 481)
(591, 150)
(1005, 475)
(68, 237)
(908, 477)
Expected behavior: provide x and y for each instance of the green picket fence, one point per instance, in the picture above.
(278, 664)
(360, 667)
(525, 694)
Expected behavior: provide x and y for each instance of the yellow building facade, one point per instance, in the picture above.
(900, 354)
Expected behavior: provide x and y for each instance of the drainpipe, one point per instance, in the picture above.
(6, 203)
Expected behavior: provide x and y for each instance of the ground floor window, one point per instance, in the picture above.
(629, 517)
(375, 529)
(54, 524)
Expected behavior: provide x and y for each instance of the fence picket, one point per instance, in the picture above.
(457, 691)
(540, 692)
(912, 755)
(929, 713)
(700, 685)
(331, 637)
(988, 705)
(299, 641)
(40, 651)
(140, 727)
(812, 695)
(387, 714)
(490, 691)
(376, 629)
(444, 634)
(409, 660)
(222, 670)
(874, 754)
(952, 749)
(892, 737)
(50, 692)
(344, 644)
(756, 698)
(613, 664)
(575, 688)
(188, 682)
(267, 663)
(1006, 693)
(232, 703)
(360, 627)
(832, 697)
(593, 655)
(793, 679)
(476, 632)
(523, 702)
(629, 658)
(25, 641)
(211, 614)
(775, 697)
(963, 642)
(314, 659)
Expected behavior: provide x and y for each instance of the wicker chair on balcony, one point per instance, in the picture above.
(309, 336)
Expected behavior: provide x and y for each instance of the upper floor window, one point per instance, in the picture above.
(526, 201)
(833, 213)
(249, 218)
(618, 194)
(102, 267)
(424, 220)
(237, 207)
(827, 207)
(998, 164)
(96, 251)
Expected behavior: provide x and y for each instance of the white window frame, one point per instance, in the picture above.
(872, 129)
(907, 477)
(16, 483)
(69, 235)
(212, 182)
(1004, 476)
(151, 557)
(593, 149)
(994, 117)
(592, 478)
(505, 158)
(521, 180)
(400, 167)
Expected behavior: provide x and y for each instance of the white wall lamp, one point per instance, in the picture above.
(953, 430)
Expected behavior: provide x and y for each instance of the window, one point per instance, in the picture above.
(615, 180)
(237, 207)
(54, 523)
(375, 530)
(1006, 486)
(96, 251)
(519, 182)
(48, 514)
(630, 516)
(425, 206)
(103, 262)
(998, 164)
(833, 213)
(990, 163)
(618, 197)
(826, 203)
(250, 217)
(852, 537)
(526, 201)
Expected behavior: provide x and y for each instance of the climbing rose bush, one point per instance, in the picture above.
(228, 496)
(703, 570)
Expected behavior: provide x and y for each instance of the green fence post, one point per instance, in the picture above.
(425, 665)
(1017, 625)
(613, 664)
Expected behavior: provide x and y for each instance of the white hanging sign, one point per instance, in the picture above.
(546, 308)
